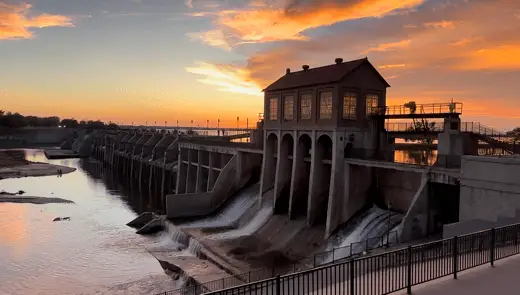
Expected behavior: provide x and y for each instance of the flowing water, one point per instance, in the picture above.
(232, 211)
(372, 225)
(93, 253)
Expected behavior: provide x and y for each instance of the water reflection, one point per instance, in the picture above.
(93, 252)
(417, 157)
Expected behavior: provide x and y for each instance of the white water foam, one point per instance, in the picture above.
(351, 239)
(260, 218)
(230, 215)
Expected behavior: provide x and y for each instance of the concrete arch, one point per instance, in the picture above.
(269, 165)
(283, 174)
(321, 169)
(301, 170)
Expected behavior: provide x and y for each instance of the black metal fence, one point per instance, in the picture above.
(393, 271)
(324, 258)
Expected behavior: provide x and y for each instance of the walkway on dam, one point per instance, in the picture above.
(503, 279)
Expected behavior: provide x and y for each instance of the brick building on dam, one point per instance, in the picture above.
(322, 155)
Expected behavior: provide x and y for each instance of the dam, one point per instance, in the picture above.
(320, 156)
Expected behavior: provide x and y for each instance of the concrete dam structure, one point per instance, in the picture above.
(320, 157)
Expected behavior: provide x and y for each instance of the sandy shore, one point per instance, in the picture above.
(33, 169)
(8, 198)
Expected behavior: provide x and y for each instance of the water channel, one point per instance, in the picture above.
(93, 253)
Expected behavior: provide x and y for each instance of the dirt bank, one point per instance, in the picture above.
(34, 169)
(8, 198)
(13, 165)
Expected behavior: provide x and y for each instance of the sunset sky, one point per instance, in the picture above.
(167, 60)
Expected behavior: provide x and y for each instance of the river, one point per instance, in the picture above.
(93, 253)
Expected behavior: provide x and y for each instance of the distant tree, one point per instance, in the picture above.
(515, 133)
(69, 123)
(12, 120)
(112, 126)
(424, 128)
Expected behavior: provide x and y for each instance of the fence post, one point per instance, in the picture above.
(249, 277)
(492, 248)
(352, 277)
(278, 285)
(314, 260)
(409, 271)
(455, 258)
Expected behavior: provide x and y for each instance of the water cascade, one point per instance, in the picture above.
(366, 230)
(229, 216)
(256, 222)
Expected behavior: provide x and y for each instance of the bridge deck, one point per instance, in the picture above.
(432, 110)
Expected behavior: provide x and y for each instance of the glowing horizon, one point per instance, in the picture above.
(202, 60)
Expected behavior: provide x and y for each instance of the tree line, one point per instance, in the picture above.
(17, 120)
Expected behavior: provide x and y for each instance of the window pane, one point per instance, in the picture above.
(306, 107)
(325, 105)
(372, 101)
(288, 108)
(349, 105)
(273, 109)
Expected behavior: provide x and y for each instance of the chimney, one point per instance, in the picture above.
(305, 67)
(339, 60)
(288, 71)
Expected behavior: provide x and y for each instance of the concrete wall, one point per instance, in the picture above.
(44, 135)
(398, 187)
(350, 194)
(489, 194)
(202, 193)
(490, 187)
(414, 224)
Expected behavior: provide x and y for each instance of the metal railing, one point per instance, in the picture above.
(411, 127)
(393, 271)
(318, 259)
(472, 127)
(476, 127)
(419, 109)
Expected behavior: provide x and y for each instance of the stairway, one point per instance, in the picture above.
(497, 143)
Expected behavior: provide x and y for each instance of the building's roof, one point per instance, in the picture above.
(322, 75)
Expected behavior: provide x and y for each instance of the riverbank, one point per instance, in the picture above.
(14, 165)
(8, 198)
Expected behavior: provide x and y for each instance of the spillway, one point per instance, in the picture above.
(254, 224)
(231, 213)
(367, 229)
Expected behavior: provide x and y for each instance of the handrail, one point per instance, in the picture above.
(419, 109)
(470, 127)
(455, 254)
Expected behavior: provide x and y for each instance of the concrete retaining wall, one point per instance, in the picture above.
(489, 193)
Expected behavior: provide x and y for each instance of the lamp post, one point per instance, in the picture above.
(388, 233)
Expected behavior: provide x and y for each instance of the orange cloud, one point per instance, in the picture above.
(505, 57)
(389, 46)
(14, 23)
(260, 23)
(226, 78)
(394, 66)
(442, 24)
